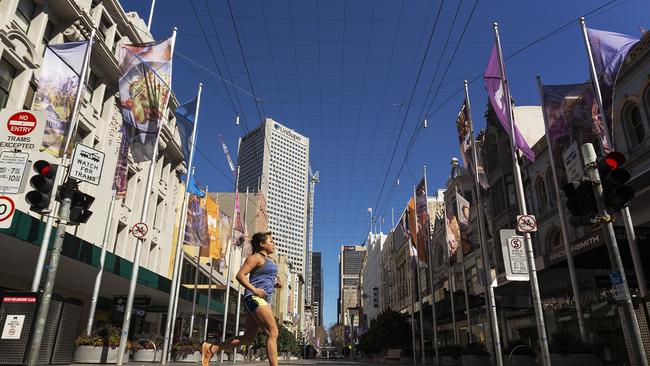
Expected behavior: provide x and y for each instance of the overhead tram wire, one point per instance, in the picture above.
(241, 50)
(596, 11)
(214, 59)
(225, 61)
(408, 107)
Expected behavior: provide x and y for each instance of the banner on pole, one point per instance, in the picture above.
(465, 142)
(185, 117)
(58, 84)
(120, 179)
(196, 227)
(212, 212)
(452, 231)
(422, 220)
(145, 79)
(462, 209)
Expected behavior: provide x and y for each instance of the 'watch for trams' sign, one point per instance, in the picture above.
(21, 129)
(87, 164)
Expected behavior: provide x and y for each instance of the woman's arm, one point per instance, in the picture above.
(249, 265)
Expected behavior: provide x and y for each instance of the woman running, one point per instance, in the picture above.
(257, 297)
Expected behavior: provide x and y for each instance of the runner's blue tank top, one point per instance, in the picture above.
(263, 277)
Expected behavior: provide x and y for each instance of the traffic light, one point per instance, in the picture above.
(616, 194)
(581, 202)
(79, 203)
(43, 184)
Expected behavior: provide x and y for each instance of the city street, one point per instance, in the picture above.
(293, 363)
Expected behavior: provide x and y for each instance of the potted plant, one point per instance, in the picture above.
(519, 354)
(99, 347)
(451, 355)
(475, 354)
(187, 350)
(147, 348)
(568, 350)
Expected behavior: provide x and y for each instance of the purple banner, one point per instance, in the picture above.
(196, 227)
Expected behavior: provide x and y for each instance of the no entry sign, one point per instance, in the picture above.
(21, 129)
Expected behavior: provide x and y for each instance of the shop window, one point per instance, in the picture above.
(7, 75)
(24, 14)
(634, 123)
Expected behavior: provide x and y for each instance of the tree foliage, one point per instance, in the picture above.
(389, 330)
(321, 335)
(337, 335)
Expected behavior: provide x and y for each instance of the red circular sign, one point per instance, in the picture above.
(140, 230)
(7, 208)
(21, 123)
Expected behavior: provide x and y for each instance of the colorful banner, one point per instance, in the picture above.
(212, 212)
(145, 79)
(185, 115)
(465, 142)
(497, 93)
(462, 214)
(609, 50)
(572, 115)
(120, 179)
(58, 84)
(238, 232)
(225, 226)
(422, 220)
(452, 231)
(196, 226)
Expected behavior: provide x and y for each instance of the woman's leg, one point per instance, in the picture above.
(266, 321)
(250, 330)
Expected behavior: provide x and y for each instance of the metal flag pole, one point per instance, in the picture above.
(63, 216)
(229, 275)
(589, 156)
(464, 277)
(625, 211)
(485, 258)
(207, 305)
(197, 272)
(431, 264)
(564, 227)
(521, 199)
(241, 262)
(153, 5)
(178, 256)
(102, 259)
(451, 285)
(419, 283)
(410, 289)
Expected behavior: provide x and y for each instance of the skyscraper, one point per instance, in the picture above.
(317, 287)
(350, 271)
(275, 159)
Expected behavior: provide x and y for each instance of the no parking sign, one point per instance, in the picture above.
(7, 209)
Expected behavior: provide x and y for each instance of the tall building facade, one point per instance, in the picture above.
(317, 287)
(351, 259)
(275, 159)
(371, 297)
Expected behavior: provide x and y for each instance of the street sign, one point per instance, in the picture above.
(13, 326)
(514, 255)
(7, 209)
(13, 166)
(87, 164)
(140, 230)
(573, 163)
(526, 223)
(21, 129)
(617, 285)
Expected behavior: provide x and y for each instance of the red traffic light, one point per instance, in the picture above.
(614, 160)
(44, 168)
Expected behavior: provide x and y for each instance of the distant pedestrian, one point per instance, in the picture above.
(262, 279)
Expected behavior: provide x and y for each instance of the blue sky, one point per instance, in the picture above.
(342, 72)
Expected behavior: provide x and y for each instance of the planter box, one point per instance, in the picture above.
(194, 357)
(520, 360)
(474, 360)
(575, 359)
(90, 354)
(451, 361)
(147, 355)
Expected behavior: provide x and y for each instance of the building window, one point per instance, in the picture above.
(47, 36)
(632, 119)
(91, 85)
(29, 98)
(510, 190)
(551, 186)
(24, 14)
(542, 197)
(104, 25)
(554, 239)
(7, 75)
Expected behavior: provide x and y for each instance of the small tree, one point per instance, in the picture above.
(287, 341)
(389, 330)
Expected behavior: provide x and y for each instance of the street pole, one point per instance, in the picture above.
(178, 256)
(625, 211)
(462, 265)
(419, 283)
(153, 5)
(431, 284)
(241, 262)
(410, 292)
(64, 215)
(196, 284)
(229, 275)
(485, 258)
(207, 306)
(451, 287)
(589, 156)
(102, 259)
(564, 227)
(521, 199)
